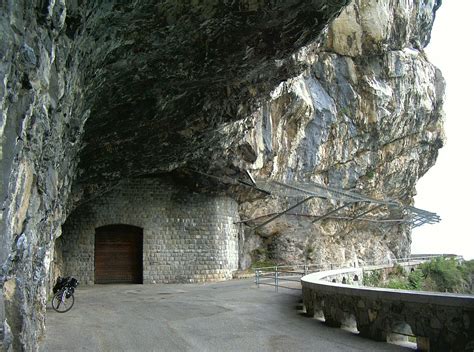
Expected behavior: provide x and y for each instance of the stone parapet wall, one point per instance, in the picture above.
(440, 321)
(352, 276)
(187, 237)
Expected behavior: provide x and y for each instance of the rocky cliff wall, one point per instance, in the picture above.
(40, 88)
(93, 93)
(367, 116)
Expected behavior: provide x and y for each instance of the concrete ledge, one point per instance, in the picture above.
(440, 321)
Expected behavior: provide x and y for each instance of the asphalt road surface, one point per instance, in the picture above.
(226, 316)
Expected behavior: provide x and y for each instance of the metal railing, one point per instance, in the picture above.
(278, 274)
(275, 275)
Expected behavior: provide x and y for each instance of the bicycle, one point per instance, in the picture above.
(63, 294)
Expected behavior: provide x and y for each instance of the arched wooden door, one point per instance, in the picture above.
(118, 254)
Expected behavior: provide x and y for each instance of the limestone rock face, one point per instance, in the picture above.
(366, 116)
(93, 92)
(40, 140)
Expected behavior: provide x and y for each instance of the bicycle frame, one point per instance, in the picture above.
(63, 298)
(63, 295)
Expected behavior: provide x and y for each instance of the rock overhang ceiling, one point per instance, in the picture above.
(160, 78)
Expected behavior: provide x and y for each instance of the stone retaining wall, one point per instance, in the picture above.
(187, 237)
(440, 321)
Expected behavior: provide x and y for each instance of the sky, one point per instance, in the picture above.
(448, 187)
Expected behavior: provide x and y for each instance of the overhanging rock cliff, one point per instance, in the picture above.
(367, 115)
(96, 98)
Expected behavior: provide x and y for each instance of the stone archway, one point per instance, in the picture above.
(118, 254)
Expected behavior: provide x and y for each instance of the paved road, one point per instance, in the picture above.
(226, 316)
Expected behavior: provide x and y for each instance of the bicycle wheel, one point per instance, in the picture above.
(61, 303)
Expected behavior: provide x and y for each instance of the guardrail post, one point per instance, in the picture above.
(276, 281)
(257, 281)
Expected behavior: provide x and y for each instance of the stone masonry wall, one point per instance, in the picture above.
(187, 237)
(439, 321)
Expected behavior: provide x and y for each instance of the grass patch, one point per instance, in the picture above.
(263, 263)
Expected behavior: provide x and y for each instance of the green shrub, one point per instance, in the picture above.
(467, 269)
(415, 280)
(439, 275)
(429, 285)
(374, 279)
(397, 271)
(468, 265)
(309, 251)
(258, 252)
(398, 283)
(370, 173)
(446, 274)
